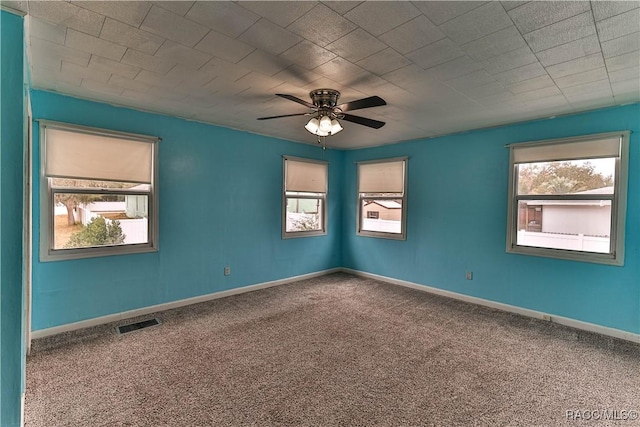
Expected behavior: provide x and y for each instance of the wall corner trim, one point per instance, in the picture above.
(566, 321)
(42, 333)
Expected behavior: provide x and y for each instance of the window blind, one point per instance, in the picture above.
(302, 176)
(79, 155)
(607, 147)
(383, 177)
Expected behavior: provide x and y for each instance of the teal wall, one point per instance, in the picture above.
(220, 205)
(457, 213)
(11, 196)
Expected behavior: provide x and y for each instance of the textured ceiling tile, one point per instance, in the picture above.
(21, 6)
(282, 13)
(224, 47)
(480, 22)
(509, 60)
(621, 45)
(384, 62)
(436, 53)
(260, 81)
(454, 68)
(46, 49)
(74, 70)
(586, 88)
(562, 32)
(531, 84)
(341, 71)
(538, 14)
(298, 76)
(117, 81)
(519, 74)
(356, 45)
(475, 79)
(134, 38)
(508, 5)
(112, 67)
(129, 12)
(412, 35)
(154, 79)
(180, 54)
(477, 92)
(173, 27)
(628, 90)
(49, 62)
(264, 62)
(90, 44)
(342, 7)
(269, 37)
(581, 78)
(625, 74)
(48, 79)
(225, 69)
(225, 86)
(440, 12)
(601, 94)
(619, 25)
(322, 25)
(308, 55)
(545, 92)
(495, 44)
(569, 51)
(607, 9)
(64, 13)
(148, 62)
(627, 60)
(44, 30)
(381, 16)
(223, 16)
(178, 7)
(192, 80)
(102, 87)
(575, 66)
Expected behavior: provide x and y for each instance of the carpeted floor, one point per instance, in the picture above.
(337, 350)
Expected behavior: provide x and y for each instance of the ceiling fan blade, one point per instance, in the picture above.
(284, 115)
(372, 101)
(363, 121)
(294, 99)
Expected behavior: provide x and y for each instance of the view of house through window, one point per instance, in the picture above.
(381, 198)
(99, 186)
(305, 191)
(575, 223)
(569, 198)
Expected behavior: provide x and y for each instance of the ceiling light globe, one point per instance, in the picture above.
(325, 124)
(322, 133)
(313, 125)
(335, 127)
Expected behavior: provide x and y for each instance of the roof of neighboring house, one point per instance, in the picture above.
(388, 204)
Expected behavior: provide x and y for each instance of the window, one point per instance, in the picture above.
(305, 198)
(568, 198)
(382, 198)
(98, 192)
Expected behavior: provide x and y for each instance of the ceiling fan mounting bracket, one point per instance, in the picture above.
(324, 98)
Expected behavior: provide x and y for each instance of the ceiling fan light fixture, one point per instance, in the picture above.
(335, 127)
(313, 125)
(325, 124)
(321, 132)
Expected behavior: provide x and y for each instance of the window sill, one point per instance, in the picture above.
(568, 255)
(71, 254)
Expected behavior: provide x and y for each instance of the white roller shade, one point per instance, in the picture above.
(384, 177)
(598, 148)
(309, 177)
(87, 156)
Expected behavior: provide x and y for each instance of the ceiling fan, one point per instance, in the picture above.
(326, 112)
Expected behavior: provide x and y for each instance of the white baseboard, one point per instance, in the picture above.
(22, 398)
(578, 324)
(170, 305)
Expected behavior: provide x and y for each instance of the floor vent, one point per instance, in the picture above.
(123, 329)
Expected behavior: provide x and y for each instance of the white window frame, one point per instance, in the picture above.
(322, 196)
(618, 204)
(47, 204)
(361, 198)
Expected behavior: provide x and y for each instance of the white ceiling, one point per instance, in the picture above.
(442, 67)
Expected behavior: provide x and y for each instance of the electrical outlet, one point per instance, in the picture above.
(469, 275)
(227, 271)
(546, 317)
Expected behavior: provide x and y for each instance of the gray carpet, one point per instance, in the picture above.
(337, 350)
